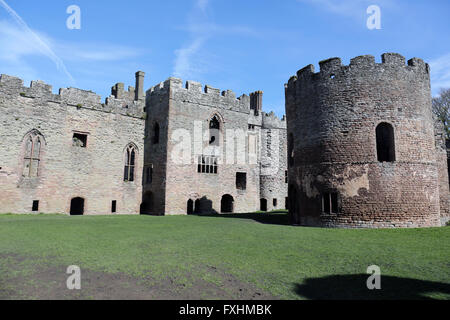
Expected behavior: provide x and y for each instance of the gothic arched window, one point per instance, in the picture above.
(32, 155)
(214, 131)
(130, 163)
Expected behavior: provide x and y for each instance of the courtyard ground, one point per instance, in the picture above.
(250, 256)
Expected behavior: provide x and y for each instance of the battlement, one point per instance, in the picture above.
(13, 87)
(271, 121)
(361, 66)
(195, 92)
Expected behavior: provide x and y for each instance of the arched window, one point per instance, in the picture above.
(214, 131)
(32, 155)
(385, 143)
(156, 130)
(130, 163)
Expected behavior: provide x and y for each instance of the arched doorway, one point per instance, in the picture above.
(227, 204)
(147, 203)
(190, 207)
(263, 204)
(77, 207)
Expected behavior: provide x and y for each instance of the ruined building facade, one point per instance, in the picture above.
(176, 149)
(359, 148)
(363, 147)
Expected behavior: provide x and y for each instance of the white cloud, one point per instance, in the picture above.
(36, 41)
(18, 47)
(202, 4)
(193, 60)
(440, 73)
(185, 65)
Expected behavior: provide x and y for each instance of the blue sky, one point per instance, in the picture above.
(229, 44)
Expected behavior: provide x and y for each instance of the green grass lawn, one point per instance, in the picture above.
(287, 262)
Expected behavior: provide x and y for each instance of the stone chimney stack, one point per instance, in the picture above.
(256, 101)
(139, 91)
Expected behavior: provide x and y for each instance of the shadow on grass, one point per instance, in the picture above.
(274, 217)
(353, 287)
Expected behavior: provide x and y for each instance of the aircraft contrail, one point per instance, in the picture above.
(44, 47)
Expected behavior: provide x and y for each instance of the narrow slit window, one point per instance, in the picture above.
(130, 163)
(149, 174)
(156, 133)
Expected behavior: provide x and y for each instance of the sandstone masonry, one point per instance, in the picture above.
(363, 147)
(70, 153)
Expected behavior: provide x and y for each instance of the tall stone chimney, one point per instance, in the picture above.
(256, 101)
(139, 93)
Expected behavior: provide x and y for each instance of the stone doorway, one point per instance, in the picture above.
(77, 207)
(227, 204)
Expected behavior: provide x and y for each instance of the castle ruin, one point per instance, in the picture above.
(363, 150)
(70, 153)
(359, 148)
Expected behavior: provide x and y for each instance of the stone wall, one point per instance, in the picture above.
(95, 173)
(190, 108)
(332, 118)
(274, 162)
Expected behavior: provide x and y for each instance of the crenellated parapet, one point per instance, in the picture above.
(361, 68)
(196, 93)
(40, 92)
(271, 121)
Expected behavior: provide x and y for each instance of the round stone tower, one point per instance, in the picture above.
(361, 147)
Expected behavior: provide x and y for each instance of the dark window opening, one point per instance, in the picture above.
(227, 204)
(114, 206)
(79, 140)
(156, 130)
(385, 143)
(35, 206)
(77, 207)
(214, 131)
(130, 164)
(241, 181)
(263, 205)
(330, 203)
(207, 164)
(275, 203)
(149, 174)
(190, 207)
(286, 177)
